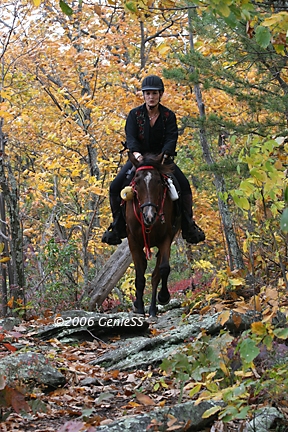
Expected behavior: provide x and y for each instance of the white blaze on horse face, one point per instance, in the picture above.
(150, 211)
(147, 179)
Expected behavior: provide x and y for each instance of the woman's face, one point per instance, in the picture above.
(152, 98)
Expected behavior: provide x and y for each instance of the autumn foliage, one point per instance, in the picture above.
(70, 73)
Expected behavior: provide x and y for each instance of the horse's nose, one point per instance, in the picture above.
(149, 215)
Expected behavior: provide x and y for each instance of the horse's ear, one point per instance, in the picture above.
(133, 159)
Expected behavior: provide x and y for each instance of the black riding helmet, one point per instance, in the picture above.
(152, 82)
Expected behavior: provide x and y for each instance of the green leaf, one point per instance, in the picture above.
(131, 6)
(242, 415)
(224, 9)
(243, 203)
(281, 333)
(263, 36)
(247, 187)
(286, 195)
(248, 350)
(211, 411)
(284, 220)
(228, 413)
(104, 396)
(259, 174)
(65, 8)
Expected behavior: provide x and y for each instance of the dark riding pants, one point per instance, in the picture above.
(126, 174)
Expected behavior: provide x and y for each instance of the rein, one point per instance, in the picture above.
(160, 214)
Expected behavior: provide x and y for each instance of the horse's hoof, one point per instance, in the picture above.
(162, 300)
(152, 319)
(138, 311)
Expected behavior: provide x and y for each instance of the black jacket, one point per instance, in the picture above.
(139, 134)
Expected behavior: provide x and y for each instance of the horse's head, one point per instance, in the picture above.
(148, 186)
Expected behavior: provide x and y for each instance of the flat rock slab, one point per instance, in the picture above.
(31, 367)
(78, 325)
(143, 351)
(187, 416)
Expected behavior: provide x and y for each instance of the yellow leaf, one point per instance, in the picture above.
(163, 49)
(257, 303)
(243, 374)
(210, 376)
(211, 411)
(195, 390)
(279, 18)
(96, 190)
(4, 259)
(166, 4)
(192, 385)
(223, 317)
(245, 246)
(36, 2)
(241, 309)
(236, 281)
(258, 328)
(5, 114)
(224, 368)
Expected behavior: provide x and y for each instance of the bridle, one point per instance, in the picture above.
(159, 209)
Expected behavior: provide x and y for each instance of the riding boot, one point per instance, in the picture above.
(191, 232)
(117, 229)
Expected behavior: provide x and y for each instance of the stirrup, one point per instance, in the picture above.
(194, 234)
(111, 236)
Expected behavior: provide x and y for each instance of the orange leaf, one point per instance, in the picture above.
(9, 347)
(144, 399)
(237, 320)
(204, 310)
(10, 302)
(114, 373)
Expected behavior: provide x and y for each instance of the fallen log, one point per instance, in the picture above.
(111, 273)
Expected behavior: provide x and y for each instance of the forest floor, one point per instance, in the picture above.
(109, 395)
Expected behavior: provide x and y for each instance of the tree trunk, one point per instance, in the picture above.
(234, 252)
(110, 274)
(10, 197)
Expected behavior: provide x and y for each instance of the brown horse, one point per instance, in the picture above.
(152, 220)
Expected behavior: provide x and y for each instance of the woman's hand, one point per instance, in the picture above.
(138, 156)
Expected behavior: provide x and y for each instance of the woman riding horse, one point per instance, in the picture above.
(151, 128)
(152, 221)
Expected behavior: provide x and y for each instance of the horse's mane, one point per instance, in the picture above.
(153, 160)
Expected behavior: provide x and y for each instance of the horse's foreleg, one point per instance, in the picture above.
(164, 269)
(140, 264)
(155, 282)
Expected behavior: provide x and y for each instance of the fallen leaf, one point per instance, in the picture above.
(104, 396)
(9, 347)
(223, 317)
(144, 399)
